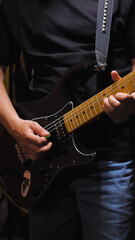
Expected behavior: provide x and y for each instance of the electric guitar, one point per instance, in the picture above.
(27, 182)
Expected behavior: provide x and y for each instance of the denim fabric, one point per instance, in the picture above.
(96, 204)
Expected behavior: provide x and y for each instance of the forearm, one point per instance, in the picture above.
(29, 134)
(8, 115)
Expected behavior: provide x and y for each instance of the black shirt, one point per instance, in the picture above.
(54, 35)
(59, 33)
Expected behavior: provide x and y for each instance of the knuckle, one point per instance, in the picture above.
(25, 136)
(33, 158)
(34, 124)
(110, 99)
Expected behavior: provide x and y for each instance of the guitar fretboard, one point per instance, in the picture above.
(93, 107)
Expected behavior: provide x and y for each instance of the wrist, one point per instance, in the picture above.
(12, 124)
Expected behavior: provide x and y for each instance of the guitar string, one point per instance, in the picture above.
(71, 115)
(54, 123)
(51, 125)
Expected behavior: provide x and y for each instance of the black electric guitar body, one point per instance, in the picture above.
(26, 181)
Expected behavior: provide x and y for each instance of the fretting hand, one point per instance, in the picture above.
(120, 106)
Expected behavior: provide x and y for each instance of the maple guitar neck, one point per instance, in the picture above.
(93, 107)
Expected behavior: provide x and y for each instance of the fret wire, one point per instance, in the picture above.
(77, 121)
(98, 103)
(101, 96)
(89, 107)
(126, 85)
(79, 118)
(112, 88)
(101, 100)
(92, 108)
(71, 121)
(75, 116)
(68, 122)
(120, 83)
(79, 113)
(82, 114)
(85, 111)
(132, 79)
(118, 86)
(130, 85)
(106, 92)
(93, 105)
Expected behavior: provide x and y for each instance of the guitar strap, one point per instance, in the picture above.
(103, 28)
(104, 19)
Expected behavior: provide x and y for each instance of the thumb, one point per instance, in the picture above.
(115, 76)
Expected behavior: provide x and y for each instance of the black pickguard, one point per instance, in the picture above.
(65, 152)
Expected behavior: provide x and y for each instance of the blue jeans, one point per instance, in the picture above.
(95, 203)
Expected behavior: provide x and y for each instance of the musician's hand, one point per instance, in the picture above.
(32, 138)
(120, 106)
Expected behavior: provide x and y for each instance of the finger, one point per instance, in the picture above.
(38, 149)
(110, 103)
(36, 153)
(106, 106)
(133, 95)
(38, 129)
(33, 138)
(124, 97)
(116, 109)
(36, 134)
(46, 147)
(112, 108)
(115, 76)
(113, 102)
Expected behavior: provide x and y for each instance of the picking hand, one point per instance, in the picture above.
(32, 138)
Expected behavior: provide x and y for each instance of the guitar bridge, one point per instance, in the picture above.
(25, 186)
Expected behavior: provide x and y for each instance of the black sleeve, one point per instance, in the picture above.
(9, 40)
(131, 32)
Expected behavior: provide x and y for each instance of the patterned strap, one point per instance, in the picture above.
(104, 19)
